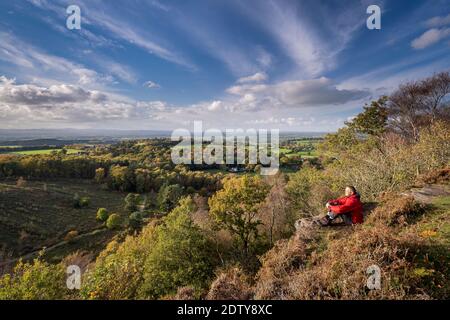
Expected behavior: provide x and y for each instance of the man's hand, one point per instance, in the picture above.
(327, 205)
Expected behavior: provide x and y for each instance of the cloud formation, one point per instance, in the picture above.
(430, 37)
(300, 93)
(257, 77)
(151, 85)
(438, 21)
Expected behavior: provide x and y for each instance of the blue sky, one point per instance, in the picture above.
(154, 64)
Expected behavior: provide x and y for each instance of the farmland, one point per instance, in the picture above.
(44, 151)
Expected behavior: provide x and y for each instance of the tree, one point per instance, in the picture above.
(36, 280)
(131, 202)
(135, 220)
(168, 196)
(419, 103)
(102, 214)
(373, 120)
(180, 257)
(100, 175)
(367, 126)
(114, 221)
(236, 206)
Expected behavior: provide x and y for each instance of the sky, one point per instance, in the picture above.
(292, 65)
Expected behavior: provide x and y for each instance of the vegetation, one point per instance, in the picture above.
(236, 206)
(114, 221)
(199, 232)
(102, 214)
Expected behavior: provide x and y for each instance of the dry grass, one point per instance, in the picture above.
(294, 269)
(435, 176)
(231, 284)
(277, 268)
(395, 210)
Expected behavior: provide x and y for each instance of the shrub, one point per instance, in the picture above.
(102, 214)
(71, 235)
(309, 189)
(118, 270)
(231, 284)
(396, 210)
(274, 276)
(114, 221)
(80, 202)
(296, 269)
(135, 220)
(131, 202)
(180, 257)
(36, 280)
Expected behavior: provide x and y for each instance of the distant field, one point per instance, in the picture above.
(44, 151)
(41, 214)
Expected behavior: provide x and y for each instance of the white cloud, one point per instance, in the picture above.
(69, 103)
(430, 37)
(257, 77)
(438, 21)
(151, 85)
(300, 93)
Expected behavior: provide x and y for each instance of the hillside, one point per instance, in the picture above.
(407, 235)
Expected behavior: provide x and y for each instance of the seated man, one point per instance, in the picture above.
(348, 207)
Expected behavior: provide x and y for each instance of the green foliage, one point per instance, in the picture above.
(131, 202)
(180, 257)
(236, 206)
(135, 220)
(118, 270)
(373, 120)
(363, 129)
(309, 189)
(37, 280)
(168, 196)
(80, 202)
(114, 221)
(154, 263)
(121, 178)
(100, 175)
(102, 214)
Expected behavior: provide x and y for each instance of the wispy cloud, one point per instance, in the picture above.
(312, 50)
(257, 77)
(430, 37)
(101, 16)
(37, 63)
(438, 21)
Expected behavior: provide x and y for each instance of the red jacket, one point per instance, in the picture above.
(350, 204)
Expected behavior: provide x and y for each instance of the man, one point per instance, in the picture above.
(349, 208)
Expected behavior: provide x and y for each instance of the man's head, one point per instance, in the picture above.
(350, 190)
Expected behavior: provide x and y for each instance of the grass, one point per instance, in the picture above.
(436, 225)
